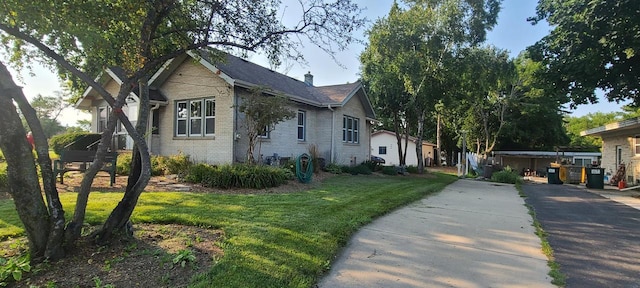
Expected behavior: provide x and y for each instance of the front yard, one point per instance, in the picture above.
(261, 240)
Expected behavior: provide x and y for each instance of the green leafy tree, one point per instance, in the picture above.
(535, 120)
(575, 125)
(82, 38)
(593, 45)
(48, 109)
(424, 37)
(262, 110)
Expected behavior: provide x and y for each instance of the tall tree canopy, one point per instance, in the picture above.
(82, 38)
(593, 45)
(407, 61)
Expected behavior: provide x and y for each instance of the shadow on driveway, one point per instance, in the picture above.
(595, 240)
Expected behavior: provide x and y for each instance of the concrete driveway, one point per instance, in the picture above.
(595, 240)
(472, 234)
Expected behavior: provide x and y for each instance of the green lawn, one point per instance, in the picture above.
(281, 240)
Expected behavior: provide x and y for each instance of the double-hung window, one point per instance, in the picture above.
(350, 130)
(302, 123)
(195, 118)
(636, 145)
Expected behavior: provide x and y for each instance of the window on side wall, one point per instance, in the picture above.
(265, 133)
(302, 123)
(637, 144)
(350, 129)
(103, 117)
(382, 150)
(195, 118)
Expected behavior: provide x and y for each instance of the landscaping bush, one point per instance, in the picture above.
(373, 166)
(73, 141)
(333, 168)
(198, 172)
(412, 169)
(506, 176)
(123, 164)
(177, 164)
(238, 176)
(361, 169)
(389, 170)
(3, 178)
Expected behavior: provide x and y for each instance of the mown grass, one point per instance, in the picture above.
(271, 240)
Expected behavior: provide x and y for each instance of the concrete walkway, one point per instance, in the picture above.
(472, 234)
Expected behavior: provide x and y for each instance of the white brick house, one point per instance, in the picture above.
(194, 111)
(620, 144)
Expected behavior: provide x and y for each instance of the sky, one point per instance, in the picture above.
(512, 33)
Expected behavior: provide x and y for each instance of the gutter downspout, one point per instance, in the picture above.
(150, 126)
(333, 127)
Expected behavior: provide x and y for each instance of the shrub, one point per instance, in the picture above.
(177, 164)
(361, 169)
(123, 164)
(238, 176)
(73, 141)
(3, 178)
(157, 165)
(389, 170)
(506, 176)
(198, 172)
(373, 166)
(333, 168)
(412, 169)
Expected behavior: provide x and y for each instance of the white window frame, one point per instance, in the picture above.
(189, 117)
(636, 145)
(208, 117)
(350, 133)
(301, 115)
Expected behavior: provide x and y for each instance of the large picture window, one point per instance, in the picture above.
(195, 118)
(350, 129)
(302, 123)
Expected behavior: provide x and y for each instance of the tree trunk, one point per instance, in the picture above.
(54, 249)
(439, 161)
(399, 133)
(22, 176)
(421, 118)
(118, 221)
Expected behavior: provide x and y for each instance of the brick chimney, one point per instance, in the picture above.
(308, 79)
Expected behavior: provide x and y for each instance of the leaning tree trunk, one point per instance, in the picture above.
(54, 249)
(118, 221)
(24, 185)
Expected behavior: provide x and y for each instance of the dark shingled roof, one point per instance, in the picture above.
(242, 70)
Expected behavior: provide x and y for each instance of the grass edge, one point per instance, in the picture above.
(558, 278)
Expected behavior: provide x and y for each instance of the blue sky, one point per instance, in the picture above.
(512, 33)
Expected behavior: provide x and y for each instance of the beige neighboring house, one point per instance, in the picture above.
(194, 112)
(620, 144)
(385, 145)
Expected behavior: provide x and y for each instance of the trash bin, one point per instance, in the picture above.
(487, 172)
(595, 178)
(553, 175)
